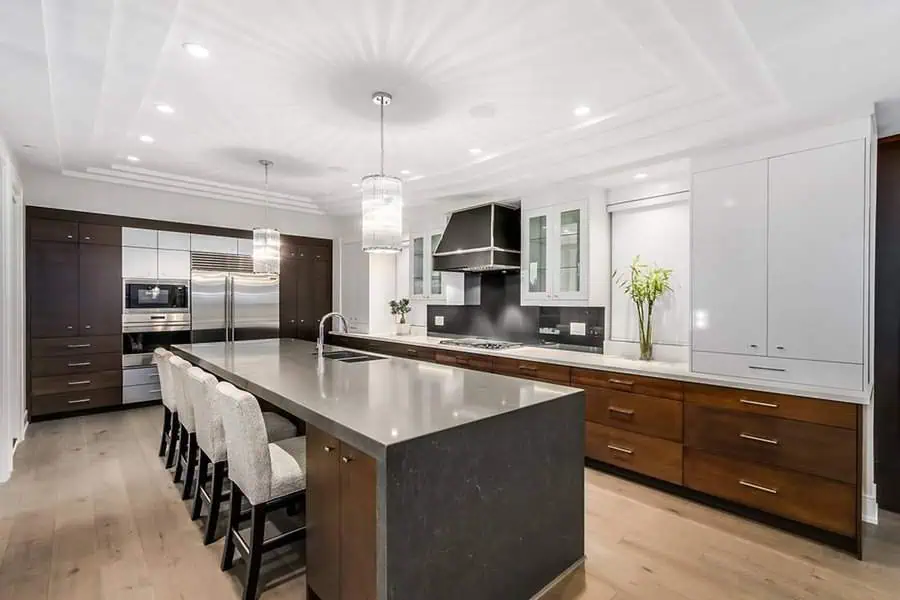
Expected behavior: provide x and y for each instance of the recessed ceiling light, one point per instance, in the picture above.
(147, 139)
(582, 111)
(640, 176)
(165, 108)
(405, 172)
(131, 158)
(195, 50)
(475, 151)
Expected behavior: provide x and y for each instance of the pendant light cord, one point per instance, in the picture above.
(382, 137)
(266, 166)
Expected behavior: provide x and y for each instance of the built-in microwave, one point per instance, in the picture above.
(147, 295)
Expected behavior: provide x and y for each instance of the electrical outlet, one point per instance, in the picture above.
(577, 329)
(438, 320)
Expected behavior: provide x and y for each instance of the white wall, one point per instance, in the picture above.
(53, 190)
(12, 310)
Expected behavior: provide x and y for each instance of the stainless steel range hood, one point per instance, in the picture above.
(484, 238)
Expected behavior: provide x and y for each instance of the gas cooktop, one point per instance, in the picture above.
(481, 344)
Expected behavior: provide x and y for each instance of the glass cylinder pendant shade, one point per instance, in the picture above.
(266, 250)
(382, 214)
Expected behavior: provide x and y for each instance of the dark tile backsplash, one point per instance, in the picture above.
(500, 315)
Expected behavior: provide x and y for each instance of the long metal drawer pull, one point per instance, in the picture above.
(756, 438)
(755, 486)
(78, 346)
(527, 368)
(767, 369)
(80, 364)
(622, 411)
(620, 381)
(81, 401)
(758, 403)
(620, 449)
(84, 382)
(156, 390)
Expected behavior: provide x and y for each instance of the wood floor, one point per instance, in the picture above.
(91, 514)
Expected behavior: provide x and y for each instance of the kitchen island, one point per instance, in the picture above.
(424, 481)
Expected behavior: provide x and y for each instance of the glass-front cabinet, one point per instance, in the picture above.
(554, 254)
(425, 283)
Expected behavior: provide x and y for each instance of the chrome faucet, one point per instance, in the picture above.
(320, 341)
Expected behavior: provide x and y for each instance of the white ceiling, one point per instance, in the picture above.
(291, 80)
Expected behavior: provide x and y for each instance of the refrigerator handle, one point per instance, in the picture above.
(228, 309)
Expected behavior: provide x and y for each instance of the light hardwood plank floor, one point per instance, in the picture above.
(90, 514)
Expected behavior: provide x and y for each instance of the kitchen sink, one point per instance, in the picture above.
(363, 359)
(350, 357)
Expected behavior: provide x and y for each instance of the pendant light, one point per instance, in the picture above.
(382, 201)
(266, 241)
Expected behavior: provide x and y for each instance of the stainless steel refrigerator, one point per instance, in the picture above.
(227, 306)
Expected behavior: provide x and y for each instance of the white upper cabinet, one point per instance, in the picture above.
(140, 238)
(214, 243)
(817, 258)
(424, 282)
(174, 264)
(139, 263)
(728, 255)
(174, 240)
(555, 254)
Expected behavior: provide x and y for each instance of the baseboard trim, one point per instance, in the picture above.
(870, 510)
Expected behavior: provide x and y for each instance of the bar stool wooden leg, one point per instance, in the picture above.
(166, 430)
(182, 452)
(215, 501)
(257, 531)
(234, 520)
(190, 466)
(173, 441)
(202, 470)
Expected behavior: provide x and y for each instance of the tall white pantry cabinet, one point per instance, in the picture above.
(780, 267)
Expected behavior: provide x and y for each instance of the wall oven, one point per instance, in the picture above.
(151, 296)
(144, 332)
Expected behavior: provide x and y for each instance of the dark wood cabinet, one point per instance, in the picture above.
(99, 289)
(52, 279)
(90, 233)
(51, 230)
(305, 289)
(341, 519)
(323, 513)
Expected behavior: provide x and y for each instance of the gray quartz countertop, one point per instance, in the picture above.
(370, 405)
(621, 364)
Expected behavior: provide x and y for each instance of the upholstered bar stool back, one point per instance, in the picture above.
(169, 436)
(249, 464)
(199, 389)
(179, 368)
(161, 357)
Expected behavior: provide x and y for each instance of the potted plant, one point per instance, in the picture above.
(645, 285)
(401, 307)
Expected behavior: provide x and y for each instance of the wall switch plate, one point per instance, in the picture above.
(438, 320)
(577, 328)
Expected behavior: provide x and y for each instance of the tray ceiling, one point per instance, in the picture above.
(291, 80)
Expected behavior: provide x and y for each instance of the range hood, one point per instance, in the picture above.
(484, 238)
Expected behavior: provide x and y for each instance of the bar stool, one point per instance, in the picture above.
(187, 438)
(200, 388)
(169, 437)
(269, 475)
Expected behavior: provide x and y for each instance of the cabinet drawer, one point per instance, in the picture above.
(650, 456)
(461, 359)
(533, 370)
(141, 376)
(61, 365)
(416, 353)
(657, 417)
(824, 412)
(805, 498)
(76, 346)
(49, 230)
(109, 235)
(806, 447)
(141, 393)
(71, 401)
(649, 386)
(56, 384)
(803, 372)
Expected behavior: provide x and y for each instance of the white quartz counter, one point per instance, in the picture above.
(618, 364)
